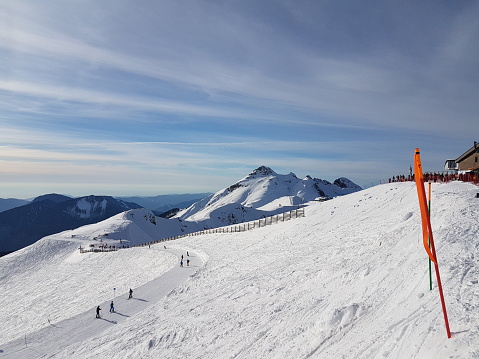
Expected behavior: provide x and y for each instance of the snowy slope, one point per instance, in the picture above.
(349, 280)
(258, 190)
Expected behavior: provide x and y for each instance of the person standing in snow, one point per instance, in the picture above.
(98, 312)
(131, 294)
(181, 262)
(112, 308)
(187, 262)
(187, 254)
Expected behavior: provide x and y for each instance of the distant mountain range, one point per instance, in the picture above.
(9, 203)
(49, 214)
(261, 193)
(163, 203)
(158, 204)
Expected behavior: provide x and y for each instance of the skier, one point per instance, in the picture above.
(181, 263)
(112, 308)
(131, 294)
(182, 257)
(187, 262)
(187, 254)
(98, 312)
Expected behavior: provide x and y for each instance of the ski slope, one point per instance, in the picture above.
(349, 280)
(74, 329)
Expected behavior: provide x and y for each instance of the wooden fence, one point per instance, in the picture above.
(96, 249)
(241, 227)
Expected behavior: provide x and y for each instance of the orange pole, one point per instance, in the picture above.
(427, 231)
(422, 203)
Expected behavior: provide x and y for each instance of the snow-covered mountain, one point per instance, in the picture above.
(49, 214)
(262, 193)
(348, 280)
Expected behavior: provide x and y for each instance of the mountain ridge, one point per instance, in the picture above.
(24, 225)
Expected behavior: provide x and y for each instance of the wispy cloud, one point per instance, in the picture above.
(94, 97)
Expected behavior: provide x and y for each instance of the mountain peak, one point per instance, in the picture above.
(262, 171)
(346, 183)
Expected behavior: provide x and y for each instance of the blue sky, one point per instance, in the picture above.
(120, 97)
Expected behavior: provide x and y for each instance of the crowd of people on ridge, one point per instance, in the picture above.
(438, 177)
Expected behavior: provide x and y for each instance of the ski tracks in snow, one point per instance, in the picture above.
(56, 337)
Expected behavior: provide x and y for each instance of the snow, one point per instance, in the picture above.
(348, 280)
(84, 208)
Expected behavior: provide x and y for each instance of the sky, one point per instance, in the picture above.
(158, 97)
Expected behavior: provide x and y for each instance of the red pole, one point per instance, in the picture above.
(427, 230)
(439, 285)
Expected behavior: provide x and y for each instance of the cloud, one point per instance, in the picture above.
(200, 87)
(384, 90)
(95, 97)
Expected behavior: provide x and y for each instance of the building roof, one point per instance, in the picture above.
(468, 153)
